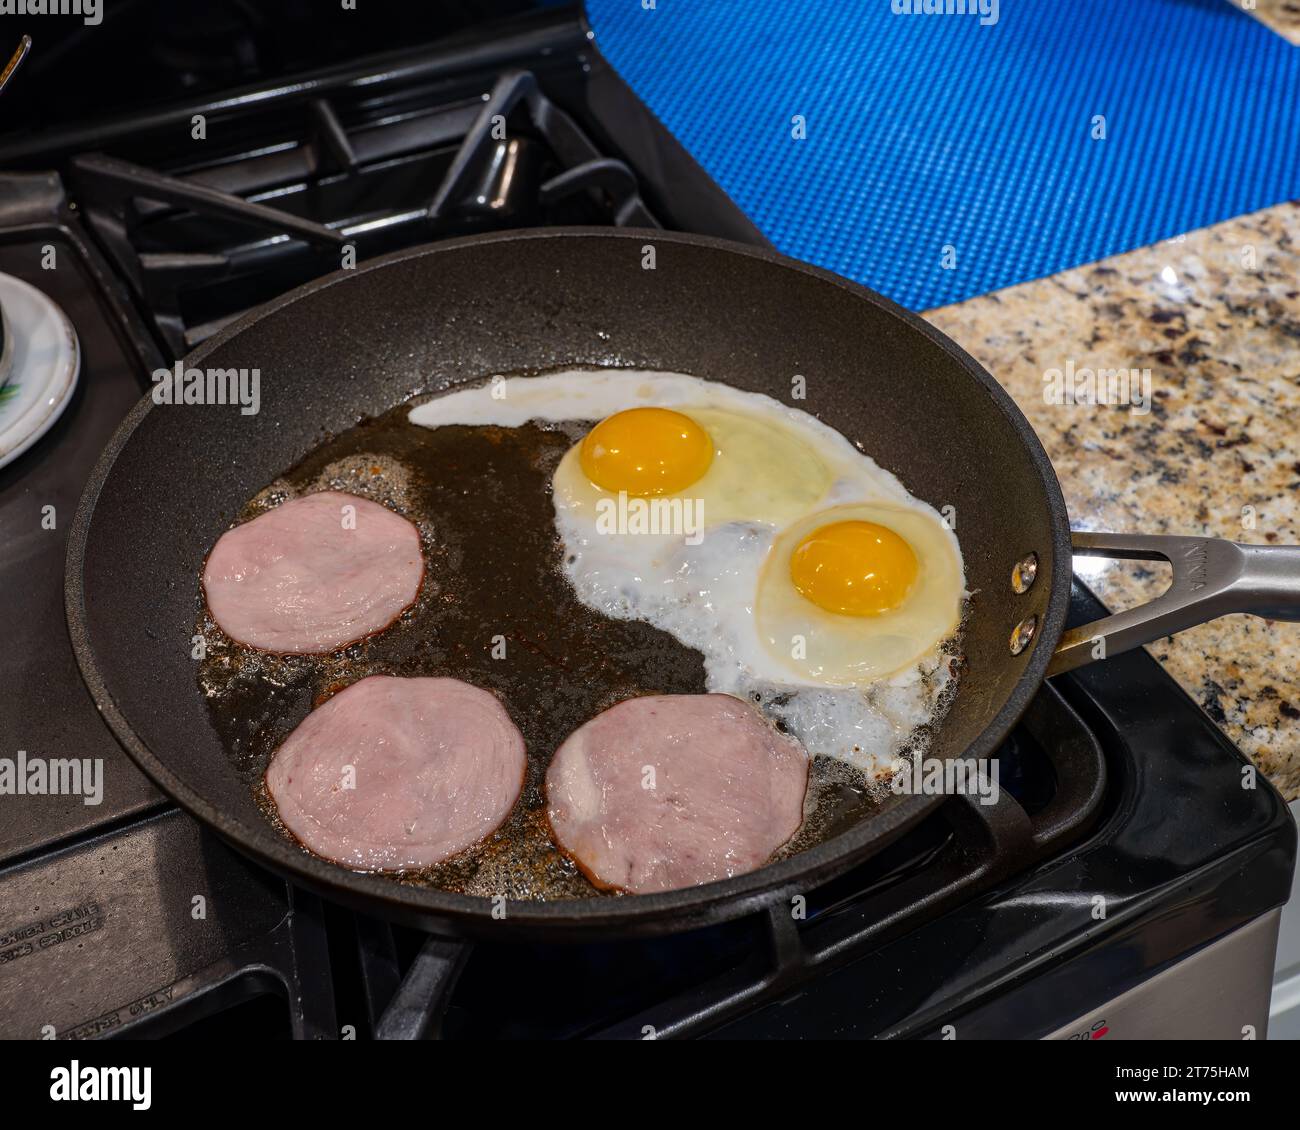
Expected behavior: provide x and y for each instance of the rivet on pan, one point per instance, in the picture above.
(1025, 573)
(1023, 635)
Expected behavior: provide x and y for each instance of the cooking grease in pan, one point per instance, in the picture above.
(480, 497)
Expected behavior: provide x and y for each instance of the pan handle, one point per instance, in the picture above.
(1212, 577)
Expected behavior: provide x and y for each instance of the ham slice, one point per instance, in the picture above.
(668, 791)
(397, 774)
(312, 575)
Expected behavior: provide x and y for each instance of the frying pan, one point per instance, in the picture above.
(356, 343)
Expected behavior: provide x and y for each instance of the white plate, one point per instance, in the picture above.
(6, 349)
(44, 368)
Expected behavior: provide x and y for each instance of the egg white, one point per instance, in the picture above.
(705, 594)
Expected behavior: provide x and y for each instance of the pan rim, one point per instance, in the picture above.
(664, 911)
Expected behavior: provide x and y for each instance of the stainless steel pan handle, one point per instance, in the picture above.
(1212, 577)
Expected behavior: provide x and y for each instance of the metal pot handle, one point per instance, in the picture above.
(1212, 577)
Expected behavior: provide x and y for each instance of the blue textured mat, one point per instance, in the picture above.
(933, 130)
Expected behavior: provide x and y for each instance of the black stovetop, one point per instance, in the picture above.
(128, 917)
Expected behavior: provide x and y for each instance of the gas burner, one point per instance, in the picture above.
(338, 179)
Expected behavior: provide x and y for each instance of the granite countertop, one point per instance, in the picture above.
(1222, 342)
(1283, 16)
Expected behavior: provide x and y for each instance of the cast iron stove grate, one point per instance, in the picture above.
(336, 180)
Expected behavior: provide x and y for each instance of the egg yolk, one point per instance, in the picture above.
(646, 451)
(853, 568)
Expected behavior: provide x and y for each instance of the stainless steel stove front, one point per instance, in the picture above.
(1221, 992)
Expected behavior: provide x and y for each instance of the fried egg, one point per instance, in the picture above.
(855, 593)
(807, 576)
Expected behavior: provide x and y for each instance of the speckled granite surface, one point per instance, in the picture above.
(1221, 338)
(1283, 16)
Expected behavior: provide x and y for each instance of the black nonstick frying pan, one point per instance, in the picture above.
(356, 343)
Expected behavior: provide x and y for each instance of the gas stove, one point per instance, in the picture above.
(1122, 862)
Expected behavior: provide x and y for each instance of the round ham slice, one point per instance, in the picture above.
(396, 774)
(312, 576)
(668, 791)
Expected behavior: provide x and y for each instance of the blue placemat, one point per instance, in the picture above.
(927, 132)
